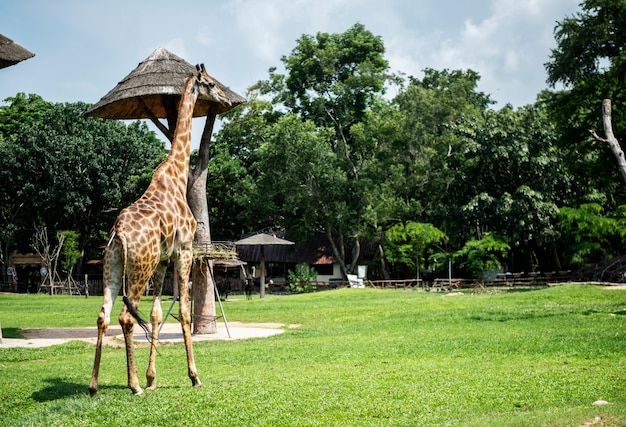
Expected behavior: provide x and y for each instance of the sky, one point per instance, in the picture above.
(84, 48)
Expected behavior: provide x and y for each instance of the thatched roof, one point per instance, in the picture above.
(263, 240)
(314, 250)
(11, 53)
(153, 89)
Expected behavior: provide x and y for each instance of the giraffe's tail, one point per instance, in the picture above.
(133, 312)
(129, 306)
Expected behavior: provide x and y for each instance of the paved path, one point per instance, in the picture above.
(171, 332)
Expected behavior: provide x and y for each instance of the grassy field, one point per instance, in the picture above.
(361, 357)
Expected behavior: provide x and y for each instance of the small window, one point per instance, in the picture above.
(323, 269)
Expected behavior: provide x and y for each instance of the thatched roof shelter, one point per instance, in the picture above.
(262, 240)
(11, 53)
(153, 89)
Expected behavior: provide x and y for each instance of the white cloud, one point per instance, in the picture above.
(506, 41)
(508, 47)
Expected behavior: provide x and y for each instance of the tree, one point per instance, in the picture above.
(511, 181)
(610, 139)
(333, 79)
(49, 254)
(300, 185)
(410, 243)
(24, 110)
(69, 172)
(233, 168)
(589, 235)
(589, 62)
(415, 146)
(480, 255)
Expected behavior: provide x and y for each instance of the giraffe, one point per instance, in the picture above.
(155, 230)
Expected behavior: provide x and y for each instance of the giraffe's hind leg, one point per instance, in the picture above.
(156, 318)
(103, 324)
(184, 267)
(126, 319)
(112, 280)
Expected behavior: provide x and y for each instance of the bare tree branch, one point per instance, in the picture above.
(610, 137)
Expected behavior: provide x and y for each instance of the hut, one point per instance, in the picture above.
(11, 53)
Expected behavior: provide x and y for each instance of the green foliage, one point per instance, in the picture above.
(25, 110)
(479, 255)
(70, 253)
(233, 168)
(332, 81)
(412, 144)
(70, 172)
(299, 184)
(513, 179)
(333, 78)
(301, 278)
(590, 63)
(408, 243)
(359, 357)
(590, 236)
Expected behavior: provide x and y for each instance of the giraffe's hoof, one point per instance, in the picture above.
(196, 383)
(138, 391)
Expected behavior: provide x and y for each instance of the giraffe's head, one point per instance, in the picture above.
(208, 87)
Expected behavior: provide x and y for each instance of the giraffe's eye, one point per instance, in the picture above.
(211, 85)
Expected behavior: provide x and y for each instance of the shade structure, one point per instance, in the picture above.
(262, 240)
(11, 53)
(153, 90)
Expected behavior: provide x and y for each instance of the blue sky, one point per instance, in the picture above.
(84, 48)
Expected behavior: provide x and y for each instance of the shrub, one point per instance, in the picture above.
(302, 278)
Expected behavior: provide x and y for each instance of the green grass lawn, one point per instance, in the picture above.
(361, 357)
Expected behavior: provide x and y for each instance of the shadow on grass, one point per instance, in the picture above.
(11, 333)
(58, 388)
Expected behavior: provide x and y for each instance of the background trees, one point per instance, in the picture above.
(589, 64)
(68, 172)
(322, 148)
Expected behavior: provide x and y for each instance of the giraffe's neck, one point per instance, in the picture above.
(178, 157)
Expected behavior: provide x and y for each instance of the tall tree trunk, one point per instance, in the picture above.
(338, 252)
(383, 263)
(610, 137)
(203, 289)
(356, 254)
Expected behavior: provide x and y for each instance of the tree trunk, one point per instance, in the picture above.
(203, 289)
(610, 137)
(337, 253)
(356, 253)
(383, 264)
